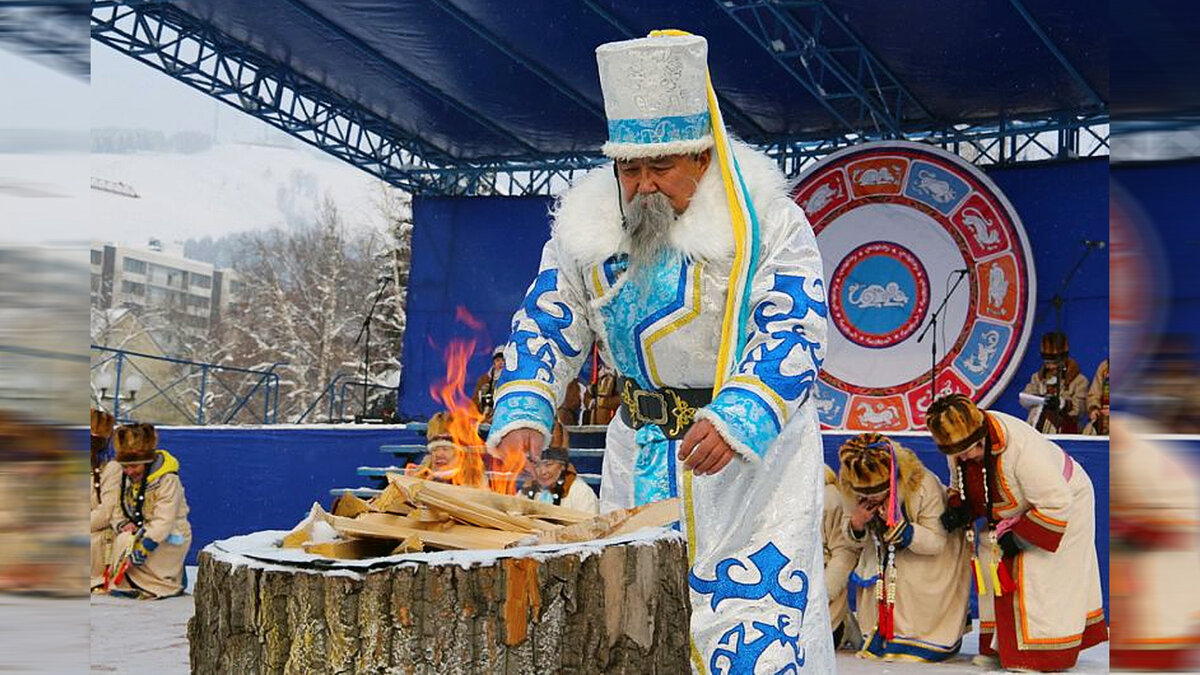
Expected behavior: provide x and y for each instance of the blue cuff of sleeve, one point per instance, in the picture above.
(520, 409)
(744, 419)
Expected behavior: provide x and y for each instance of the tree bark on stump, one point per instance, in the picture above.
(611, 607)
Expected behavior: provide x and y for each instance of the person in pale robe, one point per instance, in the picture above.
(106, 480)
(555, 480)
(699, 279)
(1034, 556)
(841, 556)
(149, 519)
(1097, 402)
(916, 609)
(1154, 510)
(1068, 397)
(448, 462)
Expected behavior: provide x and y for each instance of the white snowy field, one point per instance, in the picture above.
(160, 645)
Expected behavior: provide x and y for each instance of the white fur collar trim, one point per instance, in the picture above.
(587, 217)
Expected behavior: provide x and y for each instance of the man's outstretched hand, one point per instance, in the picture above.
(703, 450)
(527, 441)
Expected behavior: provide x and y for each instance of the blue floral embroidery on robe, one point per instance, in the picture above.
(735, 654)
(653, 472)
(750, 421)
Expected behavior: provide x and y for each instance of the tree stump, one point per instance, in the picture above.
(611, 606)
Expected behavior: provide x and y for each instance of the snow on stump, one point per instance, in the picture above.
(612, 604)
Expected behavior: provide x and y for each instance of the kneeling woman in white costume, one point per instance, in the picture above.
(913, 604)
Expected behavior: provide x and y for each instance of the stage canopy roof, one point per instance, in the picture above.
(439, 86)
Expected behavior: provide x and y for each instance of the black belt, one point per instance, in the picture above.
(673, 410)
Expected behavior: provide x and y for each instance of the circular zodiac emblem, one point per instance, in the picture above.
(896, 222)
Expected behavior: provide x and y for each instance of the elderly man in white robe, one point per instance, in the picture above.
(700, 280)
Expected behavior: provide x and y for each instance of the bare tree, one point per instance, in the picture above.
(307, 291)
(391, 250)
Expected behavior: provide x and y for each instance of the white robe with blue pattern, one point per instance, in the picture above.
(757, 586)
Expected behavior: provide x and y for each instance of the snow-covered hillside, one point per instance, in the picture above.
(228, 188)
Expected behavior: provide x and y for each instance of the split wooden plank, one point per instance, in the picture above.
(470, 512)
(350, 505)
(523, 514)
(413, 544)
(399, 528)
(654, 514)
(613, 523)
(302, 532)
(391, 500)
(351, 549)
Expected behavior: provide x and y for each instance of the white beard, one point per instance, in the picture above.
(648, 221)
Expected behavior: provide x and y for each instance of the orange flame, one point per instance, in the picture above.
(464, 420)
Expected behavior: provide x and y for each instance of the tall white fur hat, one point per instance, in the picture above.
(655, 96)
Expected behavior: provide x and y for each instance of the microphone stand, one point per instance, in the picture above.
(365, 332)
(1058, 301)
(933, 343)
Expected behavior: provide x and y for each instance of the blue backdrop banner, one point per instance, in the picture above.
(482, 253)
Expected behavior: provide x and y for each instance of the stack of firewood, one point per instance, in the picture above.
(413, 515)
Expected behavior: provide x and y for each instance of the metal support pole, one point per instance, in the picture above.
(203, 393)
(117, 389)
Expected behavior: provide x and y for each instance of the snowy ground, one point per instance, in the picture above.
(160, 645)
(43, 635)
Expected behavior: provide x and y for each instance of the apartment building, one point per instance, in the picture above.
(157, 276)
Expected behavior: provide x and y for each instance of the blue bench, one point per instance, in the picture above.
(380, 473)
(360, 492)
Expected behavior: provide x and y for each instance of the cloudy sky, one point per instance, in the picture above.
(128, 93)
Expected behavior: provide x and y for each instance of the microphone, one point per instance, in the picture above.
(1094, 244)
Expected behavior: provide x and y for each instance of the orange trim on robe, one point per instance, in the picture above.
(1043, 654)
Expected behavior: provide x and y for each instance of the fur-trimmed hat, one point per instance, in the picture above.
(102, 423)
(866, 463)
(1055, 346)
(956, 423)
(560, 443)
(437, 433)
(136, 443)
(866, 469)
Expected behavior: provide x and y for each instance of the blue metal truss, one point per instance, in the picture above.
(825, 57)
(50, 31)
(1001, 142)
(847, 79)
(193, 52)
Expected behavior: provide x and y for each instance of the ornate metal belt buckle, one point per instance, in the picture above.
(684, 414)
(641, 395)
